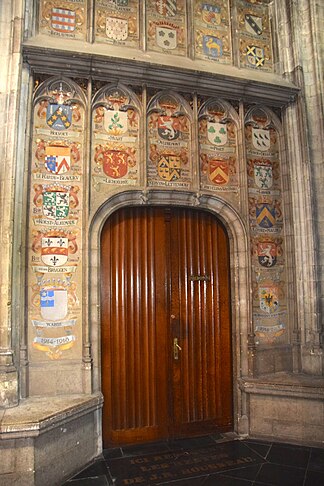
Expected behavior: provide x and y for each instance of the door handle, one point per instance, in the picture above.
(176, 348)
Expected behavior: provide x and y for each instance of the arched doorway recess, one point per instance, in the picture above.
(238, 308)
(166, 334)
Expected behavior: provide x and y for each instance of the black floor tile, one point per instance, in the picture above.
(316, 461)
(112, 453)
(248, 473)
(314, 478)
(185, 482)
(181, 464)
(281, 475)
(261, 448)
(220, 480)
(98, 468)
(140, 449)
(202, 461)
(96, 481)
(191, 443)
(289, 455)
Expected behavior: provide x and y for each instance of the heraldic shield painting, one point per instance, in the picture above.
(212, 31)
(217, 31)
(55, 273)
(253, 27)
(169, 161)
(166, 28)
(66, 19)
(116, 119)
(266, 226)
(217, 125)
(118, 23)
(125, 155)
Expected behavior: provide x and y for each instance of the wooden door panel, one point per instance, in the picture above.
(164, 276)
(200, 277)
(133, 328)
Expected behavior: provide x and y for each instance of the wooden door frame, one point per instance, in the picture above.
(239, 282)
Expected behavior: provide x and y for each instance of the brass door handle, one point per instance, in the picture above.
(176, 348)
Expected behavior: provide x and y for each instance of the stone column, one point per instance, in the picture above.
(11, 32)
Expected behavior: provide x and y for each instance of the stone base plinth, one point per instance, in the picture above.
(8, 389)
(47, 440)
(287, 408)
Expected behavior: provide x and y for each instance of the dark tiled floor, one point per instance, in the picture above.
(206, 461)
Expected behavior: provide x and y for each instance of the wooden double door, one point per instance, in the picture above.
(166, 337)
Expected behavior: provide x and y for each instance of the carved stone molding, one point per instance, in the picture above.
(231, 83)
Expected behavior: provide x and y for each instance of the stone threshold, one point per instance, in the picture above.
(285, 384)
(36, 415)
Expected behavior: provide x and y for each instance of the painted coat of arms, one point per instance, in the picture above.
(267, 253)
(54, 246)
(116, 28)
(56, 204)
(115, 159)
(115, 122)
(168, 127)
(266, 211)
(56, 200)
(261, 139)
(167, 8)
(166, 36)
(217, 133)
(211, 14)
(115, 163)
(58, 159)
(255, 56)
(212, 46)
(265, 215)
(263, 175)
(58, 116)
(253, 24)
(169, 167)
(53, 303)
(63, 20)
(269, 299)
(54, 251)
(218, 172)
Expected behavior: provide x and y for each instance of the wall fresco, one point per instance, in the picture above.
(117, 22)
(266, 226)
(66, 19)
(115, 133)
(166, 26)
(55, 226)
(211, 29)
(118, 143)
(218, 149)
(225, 32)
(254, 37)
(169, 158)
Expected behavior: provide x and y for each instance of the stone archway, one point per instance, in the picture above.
(239, 267)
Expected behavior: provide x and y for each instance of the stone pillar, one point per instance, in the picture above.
(11, 32)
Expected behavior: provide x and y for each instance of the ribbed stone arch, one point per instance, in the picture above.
(240, 276)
